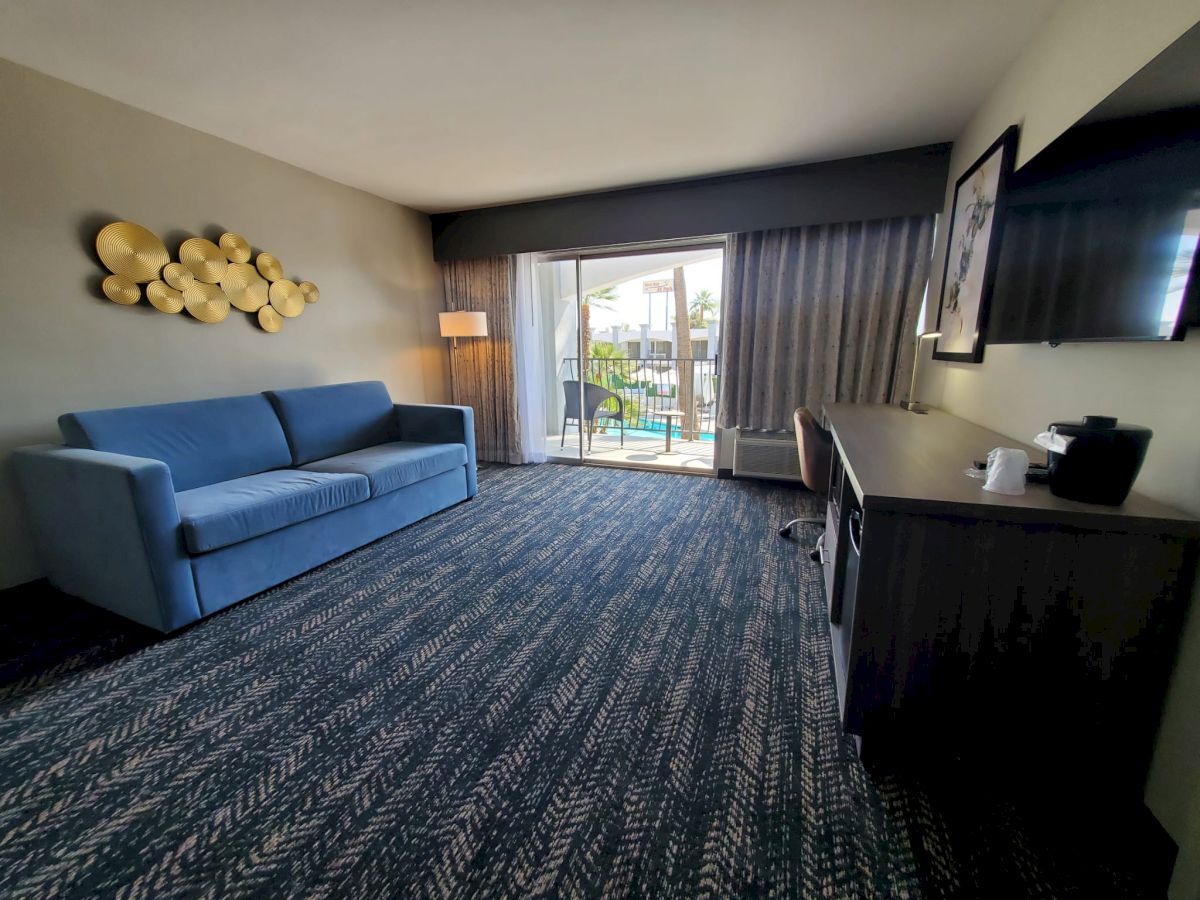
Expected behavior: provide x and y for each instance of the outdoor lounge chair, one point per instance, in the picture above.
(593, 397)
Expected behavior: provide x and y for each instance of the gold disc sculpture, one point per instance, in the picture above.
(131, 250)
(204, 259)
(269, 266)
(269, 320)
(206, 302)
(235, 247)
(164, 298)
(310, 292)
(206, 281)
(245, 288)
(286, 298)
(177, 276)
(121, 289)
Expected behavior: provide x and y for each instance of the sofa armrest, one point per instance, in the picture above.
(431, 423)
(107, 529)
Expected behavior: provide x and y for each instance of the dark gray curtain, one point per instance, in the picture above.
(482, 369)
(825, 313)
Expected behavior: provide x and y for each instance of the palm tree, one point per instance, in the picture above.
(703, 302)
(606, 350)
(603, 299)
(683, 362)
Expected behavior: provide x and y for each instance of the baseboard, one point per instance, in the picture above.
(724, 473)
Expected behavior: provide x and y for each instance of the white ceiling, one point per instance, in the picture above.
(451, 104)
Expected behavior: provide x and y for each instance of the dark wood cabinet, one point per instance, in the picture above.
(1037, 630)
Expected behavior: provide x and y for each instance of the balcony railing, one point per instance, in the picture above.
(646, 386)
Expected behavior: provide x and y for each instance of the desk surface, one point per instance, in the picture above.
(904, 462)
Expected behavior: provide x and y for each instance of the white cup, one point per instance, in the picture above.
(1006, 468)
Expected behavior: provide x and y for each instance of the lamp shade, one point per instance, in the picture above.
(463, 323)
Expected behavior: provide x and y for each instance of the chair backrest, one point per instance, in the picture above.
(571, 396)
(815, 446)
(593, 396)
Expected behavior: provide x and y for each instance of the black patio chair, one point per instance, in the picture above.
(593, 397)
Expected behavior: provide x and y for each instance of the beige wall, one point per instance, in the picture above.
(70, 161)
(1087, 49)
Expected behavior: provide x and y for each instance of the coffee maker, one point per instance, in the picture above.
(1096, 460)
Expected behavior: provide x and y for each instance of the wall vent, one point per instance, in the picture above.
(766, 454)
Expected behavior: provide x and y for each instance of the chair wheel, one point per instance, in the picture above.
(786, 531)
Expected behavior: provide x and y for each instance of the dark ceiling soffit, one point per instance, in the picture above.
(882, 185)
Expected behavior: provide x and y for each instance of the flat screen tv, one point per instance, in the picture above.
(1100, 236)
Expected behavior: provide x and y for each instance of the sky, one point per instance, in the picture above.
(631, 309)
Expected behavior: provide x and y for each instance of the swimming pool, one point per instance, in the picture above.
(660, 432)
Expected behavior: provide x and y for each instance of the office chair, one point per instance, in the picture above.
(815, 446)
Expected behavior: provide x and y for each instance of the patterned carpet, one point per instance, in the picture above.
(585, 682)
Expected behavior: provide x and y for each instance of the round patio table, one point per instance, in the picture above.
(670, 415)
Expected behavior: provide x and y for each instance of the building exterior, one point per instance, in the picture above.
(659, 343)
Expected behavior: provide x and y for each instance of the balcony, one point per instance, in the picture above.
(643, 389)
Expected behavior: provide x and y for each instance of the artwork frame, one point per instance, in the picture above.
(966, 294)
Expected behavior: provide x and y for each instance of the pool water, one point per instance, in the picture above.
(660, 433)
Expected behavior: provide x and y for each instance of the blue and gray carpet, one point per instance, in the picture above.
(584, 682)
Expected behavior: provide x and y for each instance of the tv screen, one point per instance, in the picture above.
(1100, 235)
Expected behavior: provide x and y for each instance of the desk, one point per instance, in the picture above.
(1039, 628)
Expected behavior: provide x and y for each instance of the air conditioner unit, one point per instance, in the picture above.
(766, 454)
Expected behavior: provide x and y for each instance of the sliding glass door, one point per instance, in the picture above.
(631, 355)
(556, 283)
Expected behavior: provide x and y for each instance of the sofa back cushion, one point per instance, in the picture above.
(202, 442)
(325, 421)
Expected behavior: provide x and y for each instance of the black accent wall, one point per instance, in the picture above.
(884, 185)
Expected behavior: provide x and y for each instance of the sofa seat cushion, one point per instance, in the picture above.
(389, 467)
(218, 515)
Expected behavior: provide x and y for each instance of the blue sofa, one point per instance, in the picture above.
(166, 514)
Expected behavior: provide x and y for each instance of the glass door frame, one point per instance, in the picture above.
(643, 248)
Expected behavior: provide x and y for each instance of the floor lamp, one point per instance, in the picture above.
(456, 324)
(462, 323)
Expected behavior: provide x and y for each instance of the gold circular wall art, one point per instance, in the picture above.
(286, 298)
(245, 288)
(206, 302)
(177, 276)
(164, 298)
(203, 259)
(121, 289)
(128, 249)
(269, 266)
(235, 247)
(206, 281)
(269, 320)
(310, 292)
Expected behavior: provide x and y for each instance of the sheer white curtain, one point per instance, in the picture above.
(530, 375)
